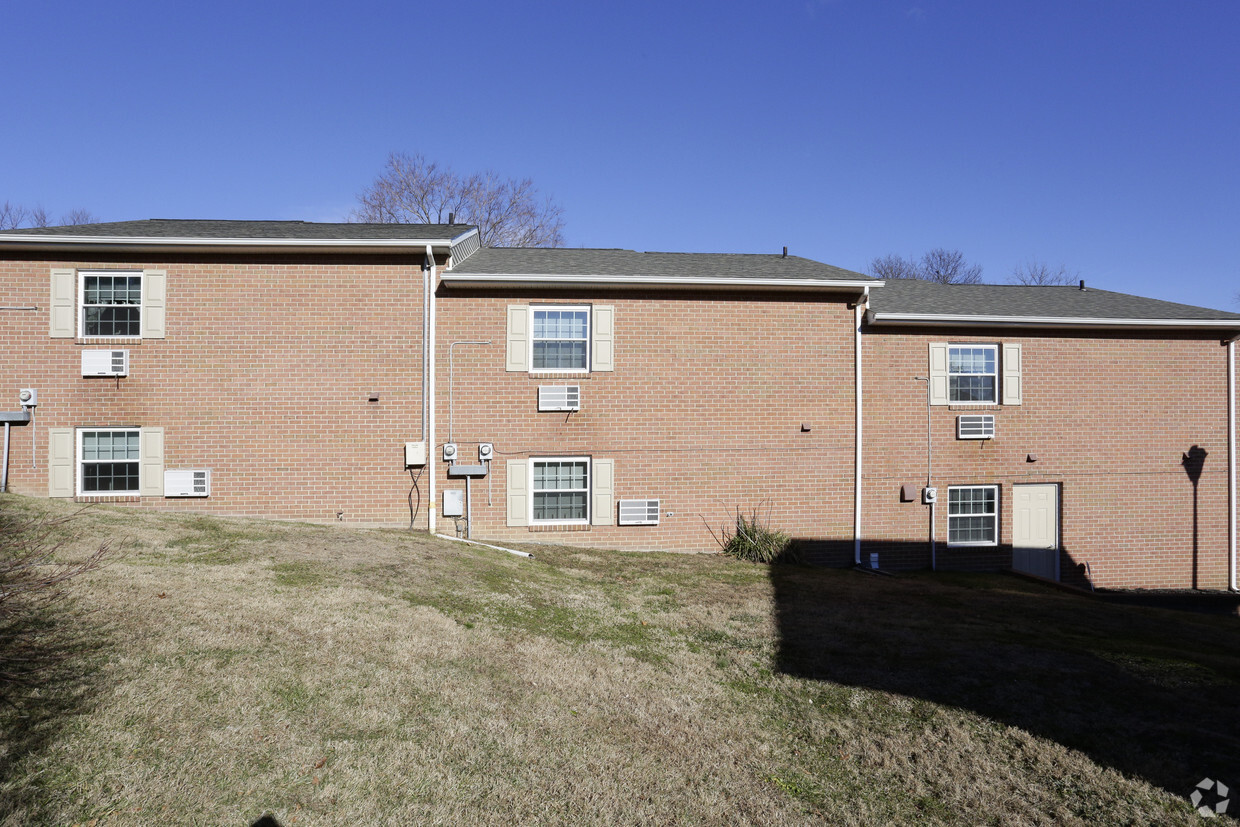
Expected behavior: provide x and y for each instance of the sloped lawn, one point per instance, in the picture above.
(324, 675)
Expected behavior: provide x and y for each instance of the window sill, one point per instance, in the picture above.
(974, 406)
(107, 341)
(569, 527)
(107, 498)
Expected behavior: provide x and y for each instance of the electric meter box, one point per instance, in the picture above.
(929, 495)
(454, 503)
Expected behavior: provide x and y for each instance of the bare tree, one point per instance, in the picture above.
(78, 216)
(893, 267)
(949, 267)
(14, 216)
(508, 212)
(1040, 273)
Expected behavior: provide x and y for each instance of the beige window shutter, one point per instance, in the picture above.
(154, 313)
(62, 323)
(938, 373)
(518, 340)
(151, 471)
(61, 459)
(602, 331)
(1013, 383)
(602, 492)
(518, 471)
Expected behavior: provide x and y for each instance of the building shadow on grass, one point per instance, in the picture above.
(51, 660)
(1150, 692)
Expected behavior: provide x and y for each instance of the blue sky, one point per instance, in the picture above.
(1104, 136)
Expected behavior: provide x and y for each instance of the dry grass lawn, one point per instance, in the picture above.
(324, 675)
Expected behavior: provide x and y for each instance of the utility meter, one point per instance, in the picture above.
(929, 495)
(486, 452)
(449, 452)
(29, 397)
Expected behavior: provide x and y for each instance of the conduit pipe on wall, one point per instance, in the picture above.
(1231, 464)
(430, 398)
(858, 311)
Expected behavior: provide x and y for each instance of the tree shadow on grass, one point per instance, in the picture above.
(62, 650)
(1151, 692)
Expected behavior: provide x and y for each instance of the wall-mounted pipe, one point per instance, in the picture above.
(430, 394)
(929, 467)
(1231, 464)
(858, 315)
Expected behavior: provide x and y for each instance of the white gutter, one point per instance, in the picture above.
(544, 280)
(52, 241)
(1231, 464)
(858, 314)
(1045, 321)
(430, 439)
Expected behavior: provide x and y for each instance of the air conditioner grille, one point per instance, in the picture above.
(105, 362)
(639, 512)
(559, 397)
(188, 482)
(975, 426)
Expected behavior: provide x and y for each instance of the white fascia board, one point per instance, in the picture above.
(945, 319)
(458, 239)
(543, 280)
(44, 242)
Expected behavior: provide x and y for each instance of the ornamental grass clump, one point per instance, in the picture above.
(753, 539)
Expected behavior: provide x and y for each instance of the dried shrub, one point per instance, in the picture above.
(752, 538)
(32, 582)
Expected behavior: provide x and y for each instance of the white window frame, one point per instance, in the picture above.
(994, 516)
(994, 347)
(79, 462)
(534, 461)
(535, 309)
(81, 301)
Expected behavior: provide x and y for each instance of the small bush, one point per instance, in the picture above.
(753, 539)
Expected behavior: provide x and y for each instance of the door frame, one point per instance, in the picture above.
(1058, 486)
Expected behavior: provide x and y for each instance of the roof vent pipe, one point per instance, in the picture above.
(451, 218)
(785, 252)
(1082, 284)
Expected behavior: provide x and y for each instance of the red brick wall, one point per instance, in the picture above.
(703, 411)
(263, 378)
(1108, 419)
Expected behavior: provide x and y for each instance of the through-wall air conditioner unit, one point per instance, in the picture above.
(639, 512)
(187, 483)
(105, 363)
(559, 397)
(975, 426)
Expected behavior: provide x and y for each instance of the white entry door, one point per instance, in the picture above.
(1035, 530)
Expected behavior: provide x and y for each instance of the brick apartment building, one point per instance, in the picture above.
(616, 399)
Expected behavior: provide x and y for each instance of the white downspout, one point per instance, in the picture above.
(1231, 464)
(430, 439)
(858, 310)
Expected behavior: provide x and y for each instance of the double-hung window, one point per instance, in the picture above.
(108, 461)
(561, 339)
(111, 304)
(973, 515)
(560, 489)
(972, 373)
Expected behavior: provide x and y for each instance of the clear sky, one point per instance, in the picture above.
(1102, 135)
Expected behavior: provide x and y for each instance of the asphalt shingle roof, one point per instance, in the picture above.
(1060, 302)
(177, 228)
(567, 261)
